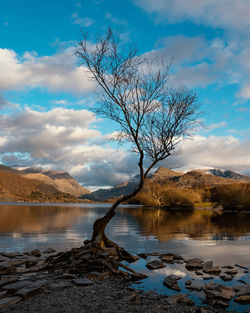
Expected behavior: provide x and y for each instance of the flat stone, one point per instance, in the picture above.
(232, 271)
(142, 255)
(134, 258)
(195, 286)
(207, 277)
(171, 282)
(3, 294)
(82, 282)
(225, 277)
(60, 285)
(168, 258)
(214, 290)
(35, 252)
(243, 299)
(194, 264)
(153, 265)
(9, 278)
(97, 275)
(219, 302)
(199, 273)
(213, 270)
(32, 269)
(179, 298)
(66, 276)
(243, 290)
(13, 287)
(12, 254)
(32, 288)
(3, 259)
(6, 268)
(17, 262)
(208, 264)
(9, 301)
(154, 253)
(30, 262)
(49, 250)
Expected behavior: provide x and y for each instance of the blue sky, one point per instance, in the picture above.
(45, 94)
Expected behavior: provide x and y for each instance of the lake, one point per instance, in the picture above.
(207, 234)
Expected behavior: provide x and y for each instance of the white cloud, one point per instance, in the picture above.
(226, 152)
(228, 14)
(82, 21)
(67, 140)
(56, 73)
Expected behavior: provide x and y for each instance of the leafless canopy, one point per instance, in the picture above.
(135, 94)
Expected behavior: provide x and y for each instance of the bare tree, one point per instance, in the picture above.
(134, 92)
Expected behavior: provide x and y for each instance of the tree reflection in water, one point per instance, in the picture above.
(199, 224)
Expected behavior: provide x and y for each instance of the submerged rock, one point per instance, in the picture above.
(171, 282)
(179, 298)
(153, 265)
(194, 264)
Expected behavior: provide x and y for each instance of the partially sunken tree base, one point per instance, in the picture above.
(95, 257)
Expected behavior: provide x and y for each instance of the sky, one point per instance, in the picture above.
(46, 96)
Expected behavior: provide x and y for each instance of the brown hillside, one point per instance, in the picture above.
(58, 179)
(14, 187)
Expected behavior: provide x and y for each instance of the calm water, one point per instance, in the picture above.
(221, 237)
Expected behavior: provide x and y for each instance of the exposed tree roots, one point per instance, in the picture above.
(104, 257)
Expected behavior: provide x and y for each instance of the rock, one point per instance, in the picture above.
(199, 273)
(179, 298)
(207, 265)
(168, 258)
(66, 276)
(32, 288)
(30, 263)
(154, 254)
(245, 299)
(240, 266)
(7, 268)
(207, 277)
(3, 294)
(195, 286)
(214, 290)
(8, 279)
(225, 277)
(243, 290)
(97, 275)
(142, 255)
(14, 287)
(171, 282)
(9, 301)
(17, 262)
(35, 252)
(60, 285)
(155, 265)
(228, 266)
(231, 272)
(82, 282)
(32, 269)
(213, 270)
(12, 254)
(49, 250)
(188, 282)
(219, 302)
(3, 259)
(194, 264)
(134, 258)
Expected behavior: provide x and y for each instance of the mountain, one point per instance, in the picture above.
(164, 177)
(107, 194)
(15, 187)
(229, 174)
(62, 181)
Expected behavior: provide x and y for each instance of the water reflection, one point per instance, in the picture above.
(38, 219)
(195, 224)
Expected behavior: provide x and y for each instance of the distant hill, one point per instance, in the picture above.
(166, 177)
(62, 181)
(15, 187)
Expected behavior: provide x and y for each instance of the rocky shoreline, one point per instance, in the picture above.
(28, 284)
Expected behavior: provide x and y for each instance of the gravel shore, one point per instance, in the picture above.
(107, 296)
